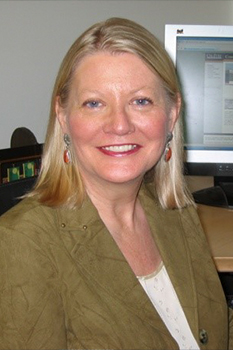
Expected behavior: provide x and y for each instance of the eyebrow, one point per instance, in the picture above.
(92, 91)
(142, 88)
(133, 91)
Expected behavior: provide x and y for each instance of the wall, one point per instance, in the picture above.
(35, 35)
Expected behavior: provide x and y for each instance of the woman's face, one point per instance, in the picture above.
(117, 118)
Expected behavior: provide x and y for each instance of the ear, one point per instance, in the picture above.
(61, 115)
(174, 112)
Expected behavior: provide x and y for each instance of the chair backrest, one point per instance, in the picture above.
(23, 137)
(11, 192)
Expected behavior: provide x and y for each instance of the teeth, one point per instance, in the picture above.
(122, 148)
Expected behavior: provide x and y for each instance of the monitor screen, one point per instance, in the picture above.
(203, 56)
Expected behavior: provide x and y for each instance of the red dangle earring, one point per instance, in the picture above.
(168, 151)
(67, 153)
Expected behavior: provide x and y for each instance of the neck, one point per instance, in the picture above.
(114, 200)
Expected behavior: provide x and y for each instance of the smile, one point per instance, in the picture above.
(120, 148)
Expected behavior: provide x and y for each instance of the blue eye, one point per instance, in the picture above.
(92, 104)
(142, 101)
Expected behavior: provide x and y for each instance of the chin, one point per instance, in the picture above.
(123, 178)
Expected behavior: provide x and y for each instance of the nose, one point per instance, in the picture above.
(119, 122)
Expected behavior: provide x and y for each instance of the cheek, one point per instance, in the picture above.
(157, 129)
(81, 131)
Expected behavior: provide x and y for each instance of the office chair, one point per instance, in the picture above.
(11, 192)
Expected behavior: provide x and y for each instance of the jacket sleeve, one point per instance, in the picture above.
(30, 304)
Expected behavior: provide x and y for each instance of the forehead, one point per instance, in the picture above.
(118, 68)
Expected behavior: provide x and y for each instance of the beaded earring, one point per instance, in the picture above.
(67, 153)
(168, 151)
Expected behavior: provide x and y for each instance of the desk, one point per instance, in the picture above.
(218, 227)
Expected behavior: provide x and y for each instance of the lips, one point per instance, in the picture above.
(119, 150)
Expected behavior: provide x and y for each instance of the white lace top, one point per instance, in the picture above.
(162, 294)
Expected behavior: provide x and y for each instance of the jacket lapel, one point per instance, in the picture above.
(169, 236)
(95, 251)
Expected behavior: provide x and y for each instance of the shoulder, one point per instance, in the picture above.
(28, 212)
(29, 224)
(191, 222)
(29, 236)
(187, 214)
(186, 219)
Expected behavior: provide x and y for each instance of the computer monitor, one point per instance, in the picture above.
(203, 55)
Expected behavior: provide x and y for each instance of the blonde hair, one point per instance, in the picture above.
(61, 184)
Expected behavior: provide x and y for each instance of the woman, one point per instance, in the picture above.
(107, 251)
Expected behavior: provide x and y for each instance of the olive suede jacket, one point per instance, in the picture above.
(64, 284)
